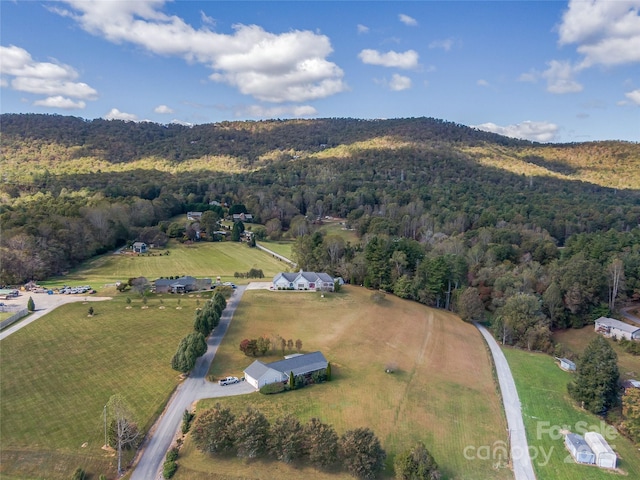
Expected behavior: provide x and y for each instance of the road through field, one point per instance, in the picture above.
(195, 387)
(520, 459)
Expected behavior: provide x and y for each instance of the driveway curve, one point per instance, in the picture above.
(44, 304)
(195, 387)
(520, 459)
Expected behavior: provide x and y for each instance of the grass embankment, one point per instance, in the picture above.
(59, 372)
(442, 392)
(201, 260)
(281, 247)
(547, 409)
(577, 340)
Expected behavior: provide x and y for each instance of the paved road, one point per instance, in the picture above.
(520, 459)
(44, 304)
(629, 316)
(195, 387)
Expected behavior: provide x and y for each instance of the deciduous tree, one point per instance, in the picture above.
(361, 453)
(321, 443)
(251, 431)
(126, 430)
(213, 430)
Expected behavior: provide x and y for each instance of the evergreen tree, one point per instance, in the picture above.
(212, 431)
(251, 431)
(236, 231)
(31, 306)
(416, 464)
(321, 443)
(286, 441)
(361, 453)
(596, 382)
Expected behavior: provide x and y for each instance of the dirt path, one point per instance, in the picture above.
(44, 304)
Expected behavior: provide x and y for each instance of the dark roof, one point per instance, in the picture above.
(175, 281)
(256, 369)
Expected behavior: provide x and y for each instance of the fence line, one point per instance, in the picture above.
(14, 318)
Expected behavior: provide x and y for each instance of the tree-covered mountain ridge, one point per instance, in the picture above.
(58, 145)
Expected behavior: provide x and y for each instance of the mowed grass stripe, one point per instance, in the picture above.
(542, 388)
(59, 372)
(204, 259)
(442, 392)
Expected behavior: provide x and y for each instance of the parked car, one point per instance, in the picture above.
(228, 381)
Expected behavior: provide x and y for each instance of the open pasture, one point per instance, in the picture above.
(547, 409)
(60, 371)
(202, 260)
(441, 392)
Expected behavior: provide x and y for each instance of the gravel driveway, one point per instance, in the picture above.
(520, 459)
(195, 387)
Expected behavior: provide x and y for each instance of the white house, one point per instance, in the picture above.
(259, 374)
(605, 456)
(610, 327)
(303, 281)
(139, 247)
(580, 451)
(194, 216)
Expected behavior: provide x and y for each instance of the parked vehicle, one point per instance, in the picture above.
(228, 381)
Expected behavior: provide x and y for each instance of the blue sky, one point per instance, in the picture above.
(547, 70)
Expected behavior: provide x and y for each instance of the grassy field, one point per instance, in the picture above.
(442, 392)
(205, 259)
(577, 340)
(547, 409)
(59, 372)
(335, 227)
(281, 247)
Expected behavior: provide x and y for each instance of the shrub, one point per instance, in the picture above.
(272, 388)
(172, 455)
(169, 469)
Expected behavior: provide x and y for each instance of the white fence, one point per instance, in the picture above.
(13, 318)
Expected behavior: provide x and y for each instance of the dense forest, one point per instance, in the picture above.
(540, 236)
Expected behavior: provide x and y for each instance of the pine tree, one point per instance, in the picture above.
(31, 306)
(596, 383)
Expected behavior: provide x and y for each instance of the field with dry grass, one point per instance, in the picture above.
(442, 391)
(577, 340)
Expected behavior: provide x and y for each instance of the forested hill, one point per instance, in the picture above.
(74, 188)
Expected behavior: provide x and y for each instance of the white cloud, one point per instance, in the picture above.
(287, 67)
(535, 131)
(163, 109)
(531, 77)
(56, 81)
(60, 102)
(634, 96)
(482, 83)
(281, 111)
(405, 60)
(115, 114)
(207, 20)
(407, 20)
(445, 44)
(399, 82)
(560, 77)
(362, 28)
(606, 32)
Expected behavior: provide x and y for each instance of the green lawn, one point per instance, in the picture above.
(281, 247)
(547, 409)
(442, 393)
(204, 259)
(58, 373)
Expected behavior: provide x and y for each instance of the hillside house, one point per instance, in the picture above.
(580, 451)
(139, 247)
(242, 217)
(181, 285)
(605, 456)
(610, 327)
(259, 374)
(194, 216)
(303, 281)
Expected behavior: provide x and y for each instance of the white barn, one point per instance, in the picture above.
(610, 327)
(605, 456)
(580, 451)
(259, 374)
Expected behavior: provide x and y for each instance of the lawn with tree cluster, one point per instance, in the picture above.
(441, 393)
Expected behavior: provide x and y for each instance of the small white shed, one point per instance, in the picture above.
(605, 456)
(580, 451)
(567, 365)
